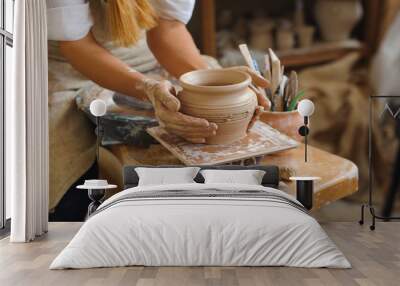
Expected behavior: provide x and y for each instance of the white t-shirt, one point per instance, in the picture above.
(69, 20)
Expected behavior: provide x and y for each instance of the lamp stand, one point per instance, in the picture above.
(305, 148)
(99, 135)
(303, 131)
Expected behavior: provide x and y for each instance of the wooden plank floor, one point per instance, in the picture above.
(375, 257)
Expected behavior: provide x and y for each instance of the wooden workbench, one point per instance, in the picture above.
(339, 177)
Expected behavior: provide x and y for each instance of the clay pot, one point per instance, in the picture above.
(306, 36)
(285, 39)
(261, 42)
(285, 122)
(337, 18)
(261, 34)
(222, 97)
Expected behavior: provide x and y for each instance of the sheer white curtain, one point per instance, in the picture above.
(27, 124)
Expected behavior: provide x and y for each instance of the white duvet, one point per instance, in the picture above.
(204, 231)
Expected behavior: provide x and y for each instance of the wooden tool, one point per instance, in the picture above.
(276, 71)
(267, 71)
(279, 100)
(293, 85)
(286, 96)
(253, 65)
(247, 56)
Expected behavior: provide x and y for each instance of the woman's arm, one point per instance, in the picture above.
(174, 48)
(97, 64)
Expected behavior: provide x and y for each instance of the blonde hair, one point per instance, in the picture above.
(126, 19)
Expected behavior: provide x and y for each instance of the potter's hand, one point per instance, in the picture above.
(166, 106)
(259, 83)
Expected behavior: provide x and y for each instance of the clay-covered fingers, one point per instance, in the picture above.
(257, 113)
(191, 131)
(195, 140)
(261, 97)
(162, 91)
(190, 128)
(256, 78)
(165, 93)
(177, 118)
(189, 137)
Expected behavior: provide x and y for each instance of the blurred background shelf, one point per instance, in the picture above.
(320, 53)
(366, 35)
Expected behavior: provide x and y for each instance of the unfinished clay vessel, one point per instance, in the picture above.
(222, 97)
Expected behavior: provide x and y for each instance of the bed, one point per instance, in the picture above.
(201, 224)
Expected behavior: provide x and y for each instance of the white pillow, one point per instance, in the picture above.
(166, 176)
(247, 177)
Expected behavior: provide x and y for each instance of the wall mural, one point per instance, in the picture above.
(167, 104)
(156, 112)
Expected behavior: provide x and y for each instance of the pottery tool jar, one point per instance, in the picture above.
(222, 97)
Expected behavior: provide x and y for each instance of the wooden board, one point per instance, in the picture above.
(374, 255)
(261, 140)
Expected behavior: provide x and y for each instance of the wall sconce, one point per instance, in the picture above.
(306, 109)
